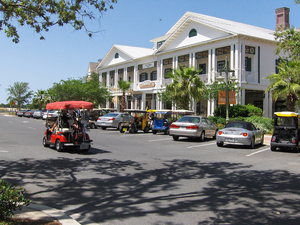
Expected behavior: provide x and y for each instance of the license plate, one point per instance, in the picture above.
(124, 129)
(230, 140)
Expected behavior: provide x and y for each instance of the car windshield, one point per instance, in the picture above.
(111, 115)
(285, 121)
(189, 119)
(239, 125)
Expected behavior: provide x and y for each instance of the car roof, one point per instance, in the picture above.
(242, 122)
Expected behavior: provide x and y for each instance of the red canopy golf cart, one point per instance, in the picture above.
(66, 130)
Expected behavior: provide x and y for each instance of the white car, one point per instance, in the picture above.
(113, 119)
(50, 114)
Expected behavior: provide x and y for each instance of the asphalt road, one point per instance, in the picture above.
(151, 179)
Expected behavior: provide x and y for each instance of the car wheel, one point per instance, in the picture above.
(252, 144)
(262, 140)
(103, 128)
(175, 138)
(93, 126)
(296, 150)
(131, 130)
(273, 148)
(167, 132)
(119, 126)
(154, 131)
(202, 136)
(58, 145)
(44, 142)
(220, 144)
(146, 130)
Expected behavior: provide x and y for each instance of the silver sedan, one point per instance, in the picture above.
(240, 133)
(113, 119)
(193, 127)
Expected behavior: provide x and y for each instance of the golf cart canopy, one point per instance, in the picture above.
(70, 105)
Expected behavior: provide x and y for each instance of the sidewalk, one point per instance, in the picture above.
(267, 139)
(38, 212)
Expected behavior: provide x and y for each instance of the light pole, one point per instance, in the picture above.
(226, 69)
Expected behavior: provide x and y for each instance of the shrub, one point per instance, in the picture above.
(11, 198)
(263, 123)
(238, 110)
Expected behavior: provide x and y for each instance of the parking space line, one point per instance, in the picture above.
(160, 139)
(195, 146)
(258, 152)
(3, 151)
(32, 128)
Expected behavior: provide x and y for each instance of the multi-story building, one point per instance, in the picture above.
(203, 42)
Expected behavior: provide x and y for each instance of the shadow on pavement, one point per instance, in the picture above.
(232, 192)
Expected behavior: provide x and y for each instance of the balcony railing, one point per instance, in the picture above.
(166, 82)
(249, 77)
(203, 77)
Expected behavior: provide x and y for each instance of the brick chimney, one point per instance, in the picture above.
(282, 18)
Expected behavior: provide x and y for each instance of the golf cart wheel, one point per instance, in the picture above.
(146, 130)
(131, 130)
(93, 126)
(121, 130)
(154, 131)
(175, 138)
(58, 145)
(86, 150)
(273, 148)
(45, 143)
(166, 132)
(103, 128)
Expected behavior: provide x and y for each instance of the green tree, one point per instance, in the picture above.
(213, 88)
(285, 83)
(19, 93)
(124, 86)
(41, 15)
(79, 89)
(186, 86)
(41, 98)
(288, 42)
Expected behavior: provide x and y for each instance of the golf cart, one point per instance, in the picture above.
(66, 130)
(163, 119)
(286, 131)
(139, 122)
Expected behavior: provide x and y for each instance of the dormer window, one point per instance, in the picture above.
(193, 32)
(116, 55)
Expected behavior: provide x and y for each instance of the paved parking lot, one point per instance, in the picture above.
(152, 179)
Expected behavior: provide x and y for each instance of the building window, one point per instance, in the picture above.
(248, 64)
(203, 68)
(193, 32)
(168, 70)
(153, 75)
(250, 50)
(160, 43)
(116, 55)
(222, 51)
(220, 65)
(129, 78)
(143, 77)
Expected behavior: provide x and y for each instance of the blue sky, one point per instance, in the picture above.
(66, 53)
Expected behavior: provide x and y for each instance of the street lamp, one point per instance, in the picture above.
(226, 69)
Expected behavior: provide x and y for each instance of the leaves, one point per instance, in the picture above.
(19, 93)
(40, 15)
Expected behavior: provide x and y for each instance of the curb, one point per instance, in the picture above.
(40, 212)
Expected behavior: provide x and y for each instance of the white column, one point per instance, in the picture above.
(107, 79)
(143, 102)
(116, 78)
(125, 74)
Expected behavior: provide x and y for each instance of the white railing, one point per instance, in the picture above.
(249, 77)
(166, 82)
(203, 77)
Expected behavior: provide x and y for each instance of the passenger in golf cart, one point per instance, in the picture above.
(65, 130)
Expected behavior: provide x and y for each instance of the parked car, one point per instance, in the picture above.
(240, 133)
(50, 114)
(38, 114)
(193, 127)
(29, 113)
(22, 112)
(113, 119)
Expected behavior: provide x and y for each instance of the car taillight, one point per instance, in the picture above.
(174, 126)
(192, 127)
(244, 134)
(99, 118)
(221, 132)
(111, 119)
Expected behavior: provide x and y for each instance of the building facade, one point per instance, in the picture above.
(203, 42)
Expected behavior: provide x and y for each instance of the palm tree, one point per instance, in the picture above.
(123, 86)
(286, 83)
(186, 86)
(19, 93)
(41, 98)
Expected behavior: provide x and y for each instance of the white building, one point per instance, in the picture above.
(204, 42)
